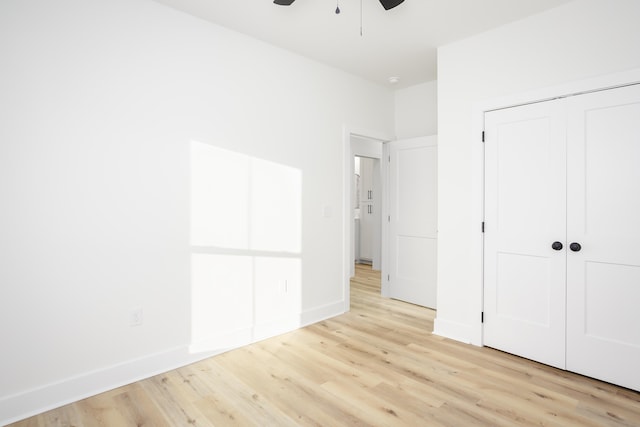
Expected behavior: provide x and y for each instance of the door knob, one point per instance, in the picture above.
(556, 246)
(575, 247)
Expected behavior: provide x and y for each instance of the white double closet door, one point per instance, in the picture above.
(562, 233)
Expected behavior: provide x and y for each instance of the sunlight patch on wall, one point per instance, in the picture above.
(221, 288)
(219, 197)
(276, 198)
(240, 202)
(246, 248)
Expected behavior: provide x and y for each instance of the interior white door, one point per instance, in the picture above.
(413, 220)
(603, 277)
(525, 213)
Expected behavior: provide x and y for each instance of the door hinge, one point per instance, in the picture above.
(389, 218)
(388, 277)
(482, 136)
(483, 226)
(389, 158)
(482, 317)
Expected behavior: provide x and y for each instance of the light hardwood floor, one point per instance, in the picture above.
(378, 365)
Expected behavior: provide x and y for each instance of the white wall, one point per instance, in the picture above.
(100, 103)
(417, 110)
(579, 40)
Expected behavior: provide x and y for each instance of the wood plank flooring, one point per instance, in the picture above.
(378, 365)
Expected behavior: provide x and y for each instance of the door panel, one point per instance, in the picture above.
(415, 272)
(413, 220)
(607, 316)
(525, 181)
(524, 298)
(603, 278)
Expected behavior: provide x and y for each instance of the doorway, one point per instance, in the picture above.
(412, 273)
(368, 145)
(366, 212)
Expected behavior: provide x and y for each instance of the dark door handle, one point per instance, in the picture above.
(556, 246)
(575, 247)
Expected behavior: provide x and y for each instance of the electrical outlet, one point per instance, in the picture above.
(135, 316)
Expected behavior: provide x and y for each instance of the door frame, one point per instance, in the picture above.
(349, 152)
(580, 87)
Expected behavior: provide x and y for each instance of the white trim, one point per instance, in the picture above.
(273, 328)
(218, 343)
(453, 330)
(35, 401)
(318, 314)
(385, 211)
(604, 82)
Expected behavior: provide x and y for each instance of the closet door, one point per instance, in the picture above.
(603, 277)
(525, 228)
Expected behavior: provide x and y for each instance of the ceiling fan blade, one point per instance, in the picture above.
(390, 4)
(284, 2)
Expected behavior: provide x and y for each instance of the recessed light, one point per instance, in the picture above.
(394, 80)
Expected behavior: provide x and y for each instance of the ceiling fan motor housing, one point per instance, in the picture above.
(390, 4)
(387, 4)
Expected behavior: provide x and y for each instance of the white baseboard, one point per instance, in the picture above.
(35, 401)
(219, 343)
(455, 331)
(277, 327)
(324, 312)
(50, 396)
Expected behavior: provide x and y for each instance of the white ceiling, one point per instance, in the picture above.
(399, 42)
